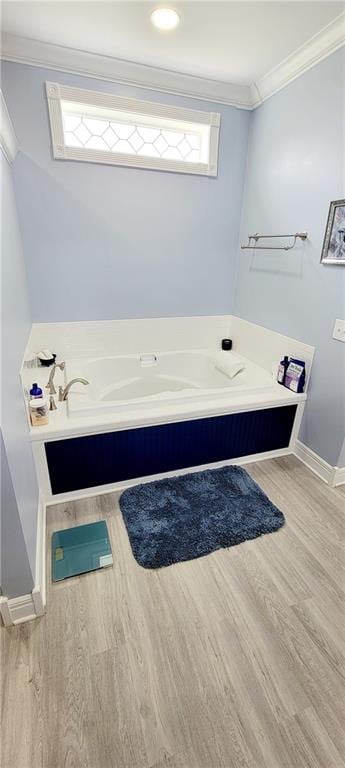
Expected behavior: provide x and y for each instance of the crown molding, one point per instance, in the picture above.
(36, 53)
(57, 57)
(327, 41)
(8, 140)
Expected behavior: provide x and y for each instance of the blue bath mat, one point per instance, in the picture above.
(181, 518)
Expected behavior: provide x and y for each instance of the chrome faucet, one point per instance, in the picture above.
(50, 384)
(63, 392)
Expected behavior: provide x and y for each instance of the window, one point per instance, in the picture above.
(101, 128)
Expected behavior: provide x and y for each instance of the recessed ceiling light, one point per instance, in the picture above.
(165, 18)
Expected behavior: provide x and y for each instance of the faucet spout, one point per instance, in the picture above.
(63, 392)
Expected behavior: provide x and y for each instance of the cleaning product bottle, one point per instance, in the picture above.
(38, 407)
(282, 368)
(295, 375)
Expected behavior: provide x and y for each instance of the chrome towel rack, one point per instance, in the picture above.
(256, 237)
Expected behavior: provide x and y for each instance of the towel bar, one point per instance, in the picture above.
(256, 237)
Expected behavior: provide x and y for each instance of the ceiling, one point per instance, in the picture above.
(235, 42)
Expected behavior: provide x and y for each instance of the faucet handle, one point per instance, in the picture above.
(61, 393)
(52, 403)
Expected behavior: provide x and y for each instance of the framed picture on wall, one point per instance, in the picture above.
(333, 250)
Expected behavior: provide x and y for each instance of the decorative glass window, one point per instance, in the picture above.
(101, 128)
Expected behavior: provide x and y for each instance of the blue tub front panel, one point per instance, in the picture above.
(85, 462)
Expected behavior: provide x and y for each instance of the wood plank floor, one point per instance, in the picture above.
(235, 660)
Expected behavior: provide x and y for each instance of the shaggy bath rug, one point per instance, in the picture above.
(181, 518)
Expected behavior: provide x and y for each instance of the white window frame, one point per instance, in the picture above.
(57, 93)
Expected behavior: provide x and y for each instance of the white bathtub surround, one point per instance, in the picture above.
(127, 337)
(167, 334)
(266, 347)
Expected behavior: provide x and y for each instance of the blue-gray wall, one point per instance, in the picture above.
(15, 328)
(15, 572)
(295, 168)
(106, 242)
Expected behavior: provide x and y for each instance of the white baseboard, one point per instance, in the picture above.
(334, 476)
(339, 476)
(15, 610)
(39, 590)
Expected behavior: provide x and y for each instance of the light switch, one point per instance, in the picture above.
(339, 330)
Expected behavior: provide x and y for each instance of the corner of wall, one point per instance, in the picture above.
(19, 528)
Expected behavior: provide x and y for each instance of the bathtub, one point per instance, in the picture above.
(147, 413)
(131, 382)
